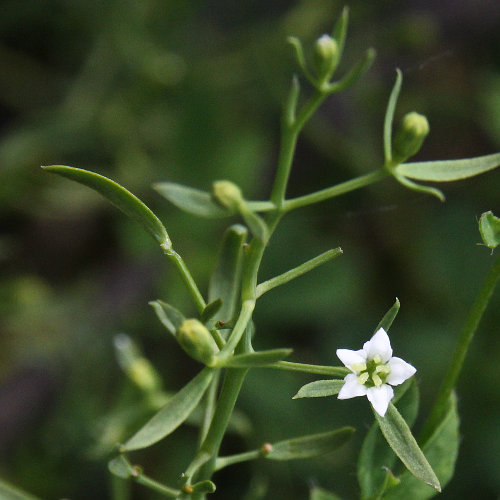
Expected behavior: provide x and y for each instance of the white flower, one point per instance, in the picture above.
(374, 371)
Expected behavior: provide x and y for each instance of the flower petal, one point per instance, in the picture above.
(380, 397)
(350, 358)
(378, 344)
(400, 371)
(352, 388)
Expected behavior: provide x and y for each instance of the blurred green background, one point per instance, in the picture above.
(191, 92)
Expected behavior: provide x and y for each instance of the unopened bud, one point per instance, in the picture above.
(197, 341)
(409, 137)
(227, 194)
(326, 57)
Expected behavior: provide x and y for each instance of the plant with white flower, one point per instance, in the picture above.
(374, 371)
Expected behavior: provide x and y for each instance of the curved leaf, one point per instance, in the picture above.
(309, 446)
(449, 170)
(120, 197)
(389, 317)
(169, 316)
(320, 389)
(401, 440)
(441, 450)
(173, 414)
(191, 200)
(376, 457)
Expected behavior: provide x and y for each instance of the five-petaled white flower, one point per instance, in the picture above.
(374, 371)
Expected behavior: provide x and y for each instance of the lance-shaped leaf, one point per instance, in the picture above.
(120, 197)
(191, 200)
(211, 309)
(401, 440)
(257, 359)
(169, 316)
(310, 446)
(489, 227)
(389, 116)
(389, 317)
(225, 281)
(9, 492)
(448, 170)
(173, 414)
(284, 278)
(441, 451)
(376, 457)
(320, 389)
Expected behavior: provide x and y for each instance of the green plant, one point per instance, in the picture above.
(221, 337)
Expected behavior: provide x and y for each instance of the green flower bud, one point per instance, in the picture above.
(326, 57)
(227, 194)
(197, 341)
(409, 137)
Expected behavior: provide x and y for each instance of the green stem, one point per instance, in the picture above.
(207, 453)
(333, 371)
(187, 278)
(210, 400)
(222, 462)
(331, 192)
(464, 340)
(156, 486)
(289, 136)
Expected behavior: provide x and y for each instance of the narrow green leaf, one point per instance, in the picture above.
(401, 440)
(225, 281)
(173, 414)
(284, 278)
(354, 74)
(120, 197)
(257, 359)
(418, 187)
(489, 227)
(389, 116)
(321, 494)
(339, 31)
(9, 492)
(441, 451)
(121, 467)
(310, 446)
(449, 170)
(320, 389)
(191, 200)
(389, 317)
(211, 309)
(376, 456)
(169, 316)
(204, 487)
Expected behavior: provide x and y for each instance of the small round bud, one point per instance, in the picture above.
(409, 137)
(197, 341)
(227, 194)
(326, 57)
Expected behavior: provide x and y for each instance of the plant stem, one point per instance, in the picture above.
(464, 340)
(332, 371)
(289, 136)
(331, 192)
(187, 278)
(222, 462)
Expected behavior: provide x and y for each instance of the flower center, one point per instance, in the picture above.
(373, 373)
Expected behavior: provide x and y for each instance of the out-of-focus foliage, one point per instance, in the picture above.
(191, 92)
